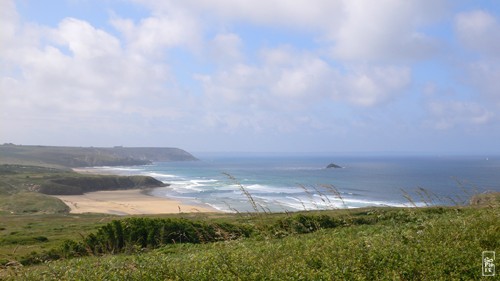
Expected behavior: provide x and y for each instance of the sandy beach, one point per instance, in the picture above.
(126, 202)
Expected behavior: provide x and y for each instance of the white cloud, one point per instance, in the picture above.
(153, 34)
(386, 30)
(306, 79)
(370, 86)
(226, 48)
(8, 21)
(484, 76)
(290, 84)
(75, 73)
(479, 31)
(267, 95)
(248, 66)
(85, 41)
(275, 82)
(284, 55)
(288, 79)
(449, 114)
(87, 70)
(356, 30)
(302, 14)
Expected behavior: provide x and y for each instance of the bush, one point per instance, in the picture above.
(41, 239)
(131, 234)
(306, 224)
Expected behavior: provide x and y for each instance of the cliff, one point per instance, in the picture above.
(76, 185)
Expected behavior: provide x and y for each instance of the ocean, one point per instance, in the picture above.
(290, 183)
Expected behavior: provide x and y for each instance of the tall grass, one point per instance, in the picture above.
(247, 194)
(427, 244)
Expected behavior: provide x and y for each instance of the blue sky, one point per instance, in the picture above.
(283, 76)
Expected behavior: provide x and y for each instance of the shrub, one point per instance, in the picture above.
(131, 234)
(306, 224)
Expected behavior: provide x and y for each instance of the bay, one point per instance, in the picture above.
(279, 183)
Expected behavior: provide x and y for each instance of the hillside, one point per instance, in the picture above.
(438, 243)
(59, 156)
(29, 172)
(77, 184)
(23, 189)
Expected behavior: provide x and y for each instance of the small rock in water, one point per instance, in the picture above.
(331, 165)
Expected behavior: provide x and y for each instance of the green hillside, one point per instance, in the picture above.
(23, 188)
(368, 244)
(64, 157)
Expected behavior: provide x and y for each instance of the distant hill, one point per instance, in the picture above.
(61, 156)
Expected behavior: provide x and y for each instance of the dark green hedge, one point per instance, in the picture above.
(131, 234)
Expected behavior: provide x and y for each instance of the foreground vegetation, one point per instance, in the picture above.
(370, 244)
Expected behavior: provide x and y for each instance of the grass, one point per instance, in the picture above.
(389, 244)
(31, 202)
(491, 199)
(20, 235)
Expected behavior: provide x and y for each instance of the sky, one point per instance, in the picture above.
(408, 76)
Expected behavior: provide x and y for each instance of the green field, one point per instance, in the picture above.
(39, 240)
(370, 244)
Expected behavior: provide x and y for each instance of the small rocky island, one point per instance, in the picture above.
(333, 166)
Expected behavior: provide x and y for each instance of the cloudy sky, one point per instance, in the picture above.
(243, 75)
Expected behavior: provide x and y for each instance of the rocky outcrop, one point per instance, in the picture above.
(333, 166)
(77, 185)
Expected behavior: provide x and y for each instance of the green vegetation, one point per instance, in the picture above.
(371, 244)
(63, 157)
(79, 184)
(486, 199)
(31, 202)
(131, 234)
(21, 187)
(18, 232)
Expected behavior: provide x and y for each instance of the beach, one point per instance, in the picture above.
(126, 202)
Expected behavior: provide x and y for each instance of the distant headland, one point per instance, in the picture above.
(70, 157)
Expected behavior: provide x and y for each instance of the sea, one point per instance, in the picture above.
(286, 183)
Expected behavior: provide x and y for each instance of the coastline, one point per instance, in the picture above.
(278, 183)
(127, 202)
